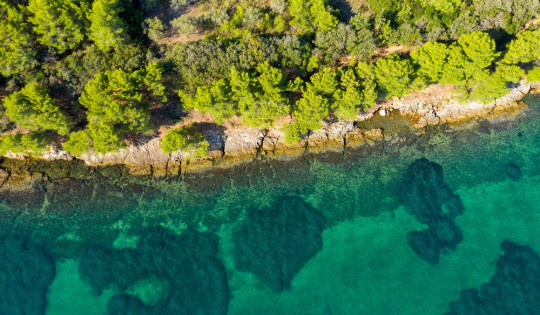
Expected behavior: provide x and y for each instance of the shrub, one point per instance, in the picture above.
(533, 74)
(32, 144)
(153, 28)
(78, 143)
(186, 138)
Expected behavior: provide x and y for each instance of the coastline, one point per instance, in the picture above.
(385, 122)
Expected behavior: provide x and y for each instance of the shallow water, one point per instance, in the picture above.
(323, 235)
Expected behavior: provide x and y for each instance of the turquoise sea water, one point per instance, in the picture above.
(327, 234)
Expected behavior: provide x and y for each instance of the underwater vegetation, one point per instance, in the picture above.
(427, 197)
(274, 243)
(513, 289)
(25, 273)
(512, 171)
(191, 280)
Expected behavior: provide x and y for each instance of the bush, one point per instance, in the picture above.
(78, 143)
(533, 74)
(153, 28)
(186, 138)
(185, 25)
(32, 144)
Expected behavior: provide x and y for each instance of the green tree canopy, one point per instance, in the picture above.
(259, 98)
(316, 101)
(31, 144)
(393, 75)
(58, 24)
(79, 142)
(186, 138)
(33, 108)
(444, 6)
(533, 74)
(430, 60)
(348, 96)
(107, 29)
(479, 48)
(117, 103)
(469, 58)
(310, 15)
(16, 53)
(525, 48)
(494, 84)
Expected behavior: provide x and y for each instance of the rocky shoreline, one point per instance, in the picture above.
(388, 121)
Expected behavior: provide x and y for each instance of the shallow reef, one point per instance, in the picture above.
(274, 243)
(426, 196)
(513, 289)
(25, 273)
(183, 271)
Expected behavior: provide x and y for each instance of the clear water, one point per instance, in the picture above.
(323, 235)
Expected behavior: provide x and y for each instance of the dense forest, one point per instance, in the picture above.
(99, 74)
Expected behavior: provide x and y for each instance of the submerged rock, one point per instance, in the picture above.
(427, 197)
(425, 245)
(424, 192)
(513, 289)
(190, 278)
(25, 273)
(441, 235)
(512, 171)
(275, 243)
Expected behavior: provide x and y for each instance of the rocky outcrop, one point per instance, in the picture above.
(232, 145)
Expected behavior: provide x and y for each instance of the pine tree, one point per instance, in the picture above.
(58, 24)
(107, 29)
(33, 108)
